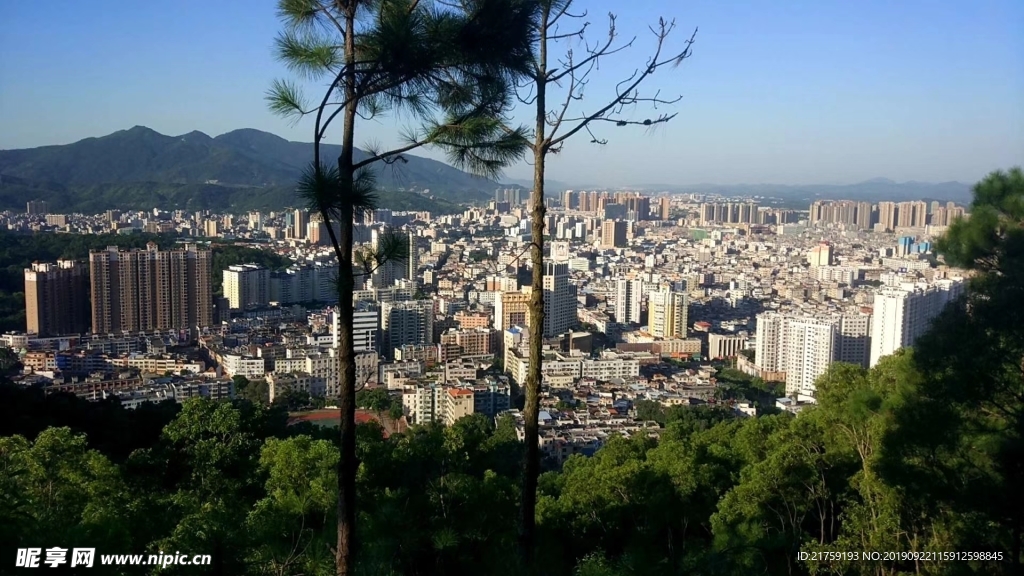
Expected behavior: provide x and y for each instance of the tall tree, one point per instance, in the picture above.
(973, 362)
(555, 91)
(448, 67)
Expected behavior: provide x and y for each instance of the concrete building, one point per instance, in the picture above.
(512, 309)
(365, 327)
(559, 299)
(458, 403)
(613, 233)
(667, 314)
(405, 323)
(902, 314)
(57, 298)
(246, 285)
(802, 347)
(820, 255)
(725, 345)
(151, 289)
(627, 301)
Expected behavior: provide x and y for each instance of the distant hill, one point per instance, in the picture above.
(244, 169)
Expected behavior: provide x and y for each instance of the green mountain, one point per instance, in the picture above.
(241, 170)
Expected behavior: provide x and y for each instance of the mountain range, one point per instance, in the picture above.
(248, 169)
(243, 169)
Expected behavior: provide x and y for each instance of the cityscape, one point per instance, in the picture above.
(512, 288)
(647, 298)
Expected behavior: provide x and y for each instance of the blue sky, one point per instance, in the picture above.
(776, 91)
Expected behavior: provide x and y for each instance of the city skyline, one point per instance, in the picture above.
(765, 99)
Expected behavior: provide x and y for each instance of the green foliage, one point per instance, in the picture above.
(649, 410)
(293, 400)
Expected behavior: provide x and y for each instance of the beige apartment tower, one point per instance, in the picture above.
(613, 233)
(151, 289)
(57, 298)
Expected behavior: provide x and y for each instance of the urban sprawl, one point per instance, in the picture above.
(647, 298)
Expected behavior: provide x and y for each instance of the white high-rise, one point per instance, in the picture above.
(803, 347)
(246, 285)
(365, 326)
(667, 314)
(811, 345)
(559, 299)
(627, 300)
(407, 323)
(412, 263)
(902, 314)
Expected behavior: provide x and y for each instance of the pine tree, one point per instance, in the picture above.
(447, 67)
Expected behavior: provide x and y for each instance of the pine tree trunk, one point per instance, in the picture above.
(347, 465)
(531, 409)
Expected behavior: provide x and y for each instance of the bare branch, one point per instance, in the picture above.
(628, 94)
(597, 52)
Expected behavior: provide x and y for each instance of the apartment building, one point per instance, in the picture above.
(151, 289)
(57, 298)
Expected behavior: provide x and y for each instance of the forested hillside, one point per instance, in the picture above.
(241, 170)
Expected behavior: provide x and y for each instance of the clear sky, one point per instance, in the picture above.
(777, 91)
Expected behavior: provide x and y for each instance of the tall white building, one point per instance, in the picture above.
(855, 339)
(667, 314)
(365, 327)
(246, 285)
(559, 299)
(811, 345)
(627, 300)
(304, 283)
(412, 263)
(804, 347)
(409, 323)
(902, 314)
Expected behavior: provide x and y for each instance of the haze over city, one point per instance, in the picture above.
(799, 93)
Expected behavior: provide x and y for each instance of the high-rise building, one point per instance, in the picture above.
(627, 300)
(903, 313)
(36, 207)
(246, 285)
(512, 309)
(365, 326)
(57, 298)
(665, 207)
(912, 214)
(300, 219)
(803, 347)
(667, 314)
(613, 233)
(887, 216)
(409, 323)
(855, 339)
(728, 213)
(151, 289)
(559, 299)
(865, 216)
(412, 263)
(570, 201)
(820, 255)
(211, 228)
